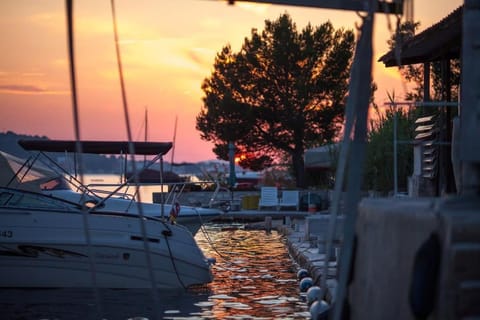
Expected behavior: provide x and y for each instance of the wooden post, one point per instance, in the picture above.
(268, 223)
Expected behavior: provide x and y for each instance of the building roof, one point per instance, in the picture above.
(321, 157)
(441, 40)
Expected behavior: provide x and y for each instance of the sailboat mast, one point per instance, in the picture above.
(145, 133)
(173, 147)
(146, 124)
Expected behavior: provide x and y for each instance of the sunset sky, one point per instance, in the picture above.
(167, 48)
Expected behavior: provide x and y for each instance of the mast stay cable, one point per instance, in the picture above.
(78, 147)
(131, 149)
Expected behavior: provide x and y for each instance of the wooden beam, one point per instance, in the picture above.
(388, 7)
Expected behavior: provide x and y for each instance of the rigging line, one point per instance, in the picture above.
(78, 146)
(132, 155)
(172, 258)
(210, 242)
(72, 180)
(28, 166)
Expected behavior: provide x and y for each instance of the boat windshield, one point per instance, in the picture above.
(57, 183)
(18, 199)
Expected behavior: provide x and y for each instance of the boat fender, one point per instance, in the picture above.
(305, 284)
(174, 212)
(424, 277)
(302, 273)
(314, 293)
(319, 310)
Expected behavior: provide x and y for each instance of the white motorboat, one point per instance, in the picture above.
(113, 197)
(43, 243)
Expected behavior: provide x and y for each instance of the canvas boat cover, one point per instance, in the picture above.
(97, 147)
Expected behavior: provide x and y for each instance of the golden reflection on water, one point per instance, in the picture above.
(254, 276)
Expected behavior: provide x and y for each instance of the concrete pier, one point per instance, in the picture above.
(307, 253)
(412, 257)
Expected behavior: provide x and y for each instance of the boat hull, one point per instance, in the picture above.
(45, 249)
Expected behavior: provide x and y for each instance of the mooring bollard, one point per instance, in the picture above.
(288, 221)
(268, 223)
(321, 243)
(296, 226)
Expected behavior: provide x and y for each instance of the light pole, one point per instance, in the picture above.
(231, 157)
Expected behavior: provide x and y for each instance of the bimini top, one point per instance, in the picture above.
(97, 147)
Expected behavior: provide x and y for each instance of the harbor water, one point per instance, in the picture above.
(254, 278)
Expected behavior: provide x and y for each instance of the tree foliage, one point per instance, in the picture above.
(283, 92)
(379, 165)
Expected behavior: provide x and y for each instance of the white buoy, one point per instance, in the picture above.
(305, 284)
(314, 293)
(319, 310)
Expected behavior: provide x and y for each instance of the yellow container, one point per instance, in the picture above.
(254, 201)
(245, 202)
(250, 202)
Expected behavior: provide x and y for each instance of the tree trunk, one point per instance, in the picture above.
(298, 168)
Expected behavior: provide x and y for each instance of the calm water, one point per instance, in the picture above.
(254, 279)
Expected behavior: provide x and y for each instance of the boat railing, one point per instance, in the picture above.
(168, 193)
(97, 190)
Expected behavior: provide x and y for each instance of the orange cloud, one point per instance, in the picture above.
(22, 89)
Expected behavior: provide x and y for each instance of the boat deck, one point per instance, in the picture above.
(259, 215)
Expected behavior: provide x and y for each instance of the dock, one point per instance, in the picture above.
(259, 215)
